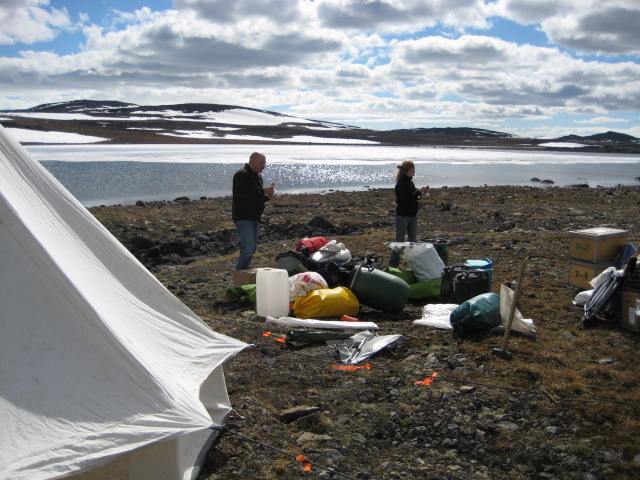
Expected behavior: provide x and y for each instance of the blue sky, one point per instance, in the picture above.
(533, 68)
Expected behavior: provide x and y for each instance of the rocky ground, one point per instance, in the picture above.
(566, 406)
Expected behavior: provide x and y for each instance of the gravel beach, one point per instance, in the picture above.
(566, 406)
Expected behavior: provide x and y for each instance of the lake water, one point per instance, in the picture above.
(124, 174)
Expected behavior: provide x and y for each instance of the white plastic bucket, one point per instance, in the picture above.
(272, 292)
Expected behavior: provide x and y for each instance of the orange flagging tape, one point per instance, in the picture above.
(351, 367)
(427, 381)
(277, 339)
(303, 459)
(347, 318)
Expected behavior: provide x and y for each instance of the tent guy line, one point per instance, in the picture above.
(227, 429)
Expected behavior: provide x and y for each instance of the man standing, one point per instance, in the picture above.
(249, 197)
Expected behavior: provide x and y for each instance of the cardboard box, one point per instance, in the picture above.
(630, 306)
(244, 277)
(597, 245)
(580, 273)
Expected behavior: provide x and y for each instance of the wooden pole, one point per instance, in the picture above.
(512, 311)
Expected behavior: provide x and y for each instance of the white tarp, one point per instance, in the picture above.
(313, 323)
(97, 357)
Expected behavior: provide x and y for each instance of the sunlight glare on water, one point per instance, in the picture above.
(112, 174)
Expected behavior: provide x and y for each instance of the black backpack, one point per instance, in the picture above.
(460, 282)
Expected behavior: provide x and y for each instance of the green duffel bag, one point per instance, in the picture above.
(405, 274)
(418, 290)
(237, 297)
(424, 290)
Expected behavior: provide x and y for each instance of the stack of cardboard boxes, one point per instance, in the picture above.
(592, 251)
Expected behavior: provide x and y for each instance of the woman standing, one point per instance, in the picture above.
(406, 217)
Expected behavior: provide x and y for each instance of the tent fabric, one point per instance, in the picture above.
(97, 357)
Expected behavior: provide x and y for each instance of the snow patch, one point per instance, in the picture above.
(563, 145)
(32, 136)
(297, 139)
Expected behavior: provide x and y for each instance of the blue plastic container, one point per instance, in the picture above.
(483, 264)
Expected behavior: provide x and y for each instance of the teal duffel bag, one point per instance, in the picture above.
(477, 314)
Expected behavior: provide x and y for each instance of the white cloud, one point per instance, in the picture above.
(605, 120)
(400, 15)
(340, 59)
(588, 26)
(29, 21)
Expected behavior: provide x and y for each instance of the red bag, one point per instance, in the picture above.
(311, 244)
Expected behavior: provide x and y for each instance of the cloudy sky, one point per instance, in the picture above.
(540, 68)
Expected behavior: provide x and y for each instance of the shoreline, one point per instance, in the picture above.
(321, 191)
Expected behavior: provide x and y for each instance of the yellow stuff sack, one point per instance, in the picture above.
(326, 302)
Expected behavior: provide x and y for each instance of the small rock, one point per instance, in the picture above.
(508, 426)
(367, 396)
(309, 421)
(432, 361)
(307, 438)
(453, 363)
(359, 438)
(410, 359)
(321, 223)
(607, 361)
(333, 455)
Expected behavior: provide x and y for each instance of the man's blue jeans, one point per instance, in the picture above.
(248, 231)
(404, 225)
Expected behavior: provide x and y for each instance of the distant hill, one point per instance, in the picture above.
(82, 106)
(121, 122)
(458, 131)
(608, 137)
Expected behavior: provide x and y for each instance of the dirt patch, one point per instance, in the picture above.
(565, 406)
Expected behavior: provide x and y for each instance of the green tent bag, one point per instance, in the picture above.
(423, 290)
(418, 290)
(405, 274)
(244, 294)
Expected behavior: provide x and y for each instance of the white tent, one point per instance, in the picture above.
(103, 372)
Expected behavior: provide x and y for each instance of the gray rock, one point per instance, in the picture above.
(367, 396)
(333, 455)
(307, 438)
(508, 426)
(294, 413)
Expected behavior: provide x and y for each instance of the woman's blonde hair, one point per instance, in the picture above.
(403, 168)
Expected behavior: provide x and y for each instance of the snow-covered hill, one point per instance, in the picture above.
(89, 121)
